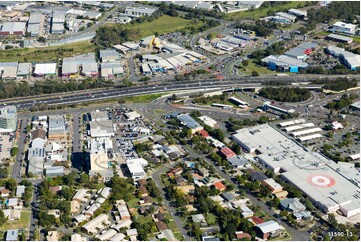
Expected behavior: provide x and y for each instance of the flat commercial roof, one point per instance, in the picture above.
(288, 123)
(284, 60)
(188, 121)
(109, 53)
(309, 137)
(35, 18)
(24, 69)
(12, 27)
(311, 172)
(286, 15)
(45, 69)
(340, 37)
(298, 126)
(297, 12)
(306, 131)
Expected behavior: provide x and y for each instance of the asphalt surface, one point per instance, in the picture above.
(156, 178)
(96, 95)
(16, 169)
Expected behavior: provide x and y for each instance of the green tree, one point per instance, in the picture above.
(255, 73)
(84, 178)
(2, 217)
(245, 62)
(14, 151)
(11, 184)
(42, 39)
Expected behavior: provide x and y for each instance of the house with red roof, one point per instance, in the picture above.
(220, 186)
(240, 235)
(227, 152)
(204, 133)
(256, 220)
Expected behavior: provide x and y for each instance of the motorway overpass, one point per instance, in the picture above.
(114, 93)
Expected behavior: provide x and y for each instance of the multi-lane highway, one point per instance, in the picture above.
(111, 93)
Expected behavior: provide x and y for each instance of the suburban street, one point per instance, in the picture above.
(156, 178)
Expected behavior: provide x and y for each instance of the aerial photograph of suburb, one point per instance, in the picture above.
(179, 120)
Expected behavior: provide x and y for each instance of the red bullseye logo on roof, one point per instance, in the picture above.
(321, 180)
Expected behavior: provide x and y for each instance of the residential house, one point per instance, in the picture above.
(268, 229)
(20, 190)
(272, 185)
(4, 192)
(240, 235)
(220, 186)
(292, 205)
(227, 152)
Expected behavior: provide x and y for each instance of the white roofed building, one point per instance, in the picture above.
(310, 172)
(344, 28)
(45, 69)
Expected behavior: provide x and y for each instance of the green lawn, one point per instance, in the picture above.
(23, 223)
(253, 67)
(162, 25)
(47, 53)
(172, 226)
(262, 12)
(133, 203)
(143, 98)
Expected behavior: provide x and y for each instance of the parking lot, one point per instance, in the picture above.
(5, 146)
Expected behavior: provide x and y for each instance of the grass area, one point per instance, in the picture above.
(143, 98)
(162, 25)
(133, 203)
(211, 219)
(47, 53)
(18, 224)
(262, 12)
(172, 226)
(144, 219)
(356, 39)
(254, 67)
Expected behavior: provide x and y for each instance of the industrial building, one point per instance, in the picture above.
(297, 12)
(12, 28)
(8, 70)
(139, 11)
(301, 51)
(57, 22)
(111, 70)
(283, 63)
(188, 121)
(101, 129)
(109, 55)
(24, 70)
(84, 64)
(340, 38)
(318, 177)
(343, 28)
(290, 17)
(205, 6)
(8, 119)
(57, 128)
(45, 69)
(349, 59)
(36, 20)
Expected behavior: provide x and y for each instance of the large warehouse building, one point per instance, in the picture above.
(12, 28)
(319, 178)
